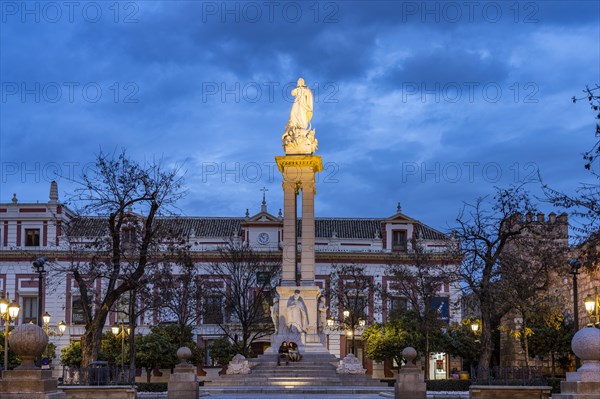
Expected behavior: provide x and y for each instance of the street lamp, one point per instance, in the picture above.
(575, 265)
(8, 311)
(38, 265)
(59, 331)
(475, 327)
(120, 331)
(592, 306)
(61, 327)
(352, 323)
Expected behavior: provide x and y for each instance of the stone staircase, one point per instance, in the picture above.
(314, 370)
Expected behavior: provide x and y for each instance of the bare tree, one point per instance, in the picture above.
(419, 275)
(592, 95)
(354, 296)
(178, 293)
(584, 203)
(484, 230)
(242, 280)
(528, 265)
(116, 235)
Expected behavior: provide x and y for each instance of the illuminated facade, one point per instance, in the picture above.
(31, 230)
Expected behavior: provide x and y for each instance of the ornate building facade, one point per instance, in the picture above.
(31, 230)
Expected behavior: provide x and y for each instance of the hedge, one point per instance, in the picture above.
(448, 385)
(151, 386)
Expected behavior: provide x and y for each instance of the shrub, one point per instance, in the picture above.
(555, 384)
(151, 386)
(448, 385)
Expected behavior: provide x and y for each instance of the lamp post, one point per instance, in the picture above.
(120, 331)
(592, 306)
(59, 331)
(575, 265)
(38, 265)
(350, 321)
(8, 311)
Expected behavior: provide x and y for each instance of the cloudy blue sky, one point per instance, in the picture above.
(428, 103)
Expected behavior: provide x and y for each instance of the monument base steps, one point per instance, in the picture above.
(313, 370)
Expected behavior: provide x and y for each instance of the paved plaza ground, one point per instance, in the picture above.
(292, 396)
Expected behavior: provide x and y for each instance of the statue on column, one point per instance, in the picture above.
(299, 137)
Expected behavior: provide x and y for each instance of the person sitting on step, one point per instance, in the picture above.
(283, 353)
(294, 352)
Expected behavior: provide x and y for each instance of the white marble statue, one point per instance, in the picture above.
(296, 314)
(322, 313)
(275, 312)
(350, 365)
(299, 137)
(238, 365)
(302, 109)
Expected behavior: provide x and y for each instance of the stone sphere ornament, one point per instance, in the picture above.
(28, 341)
(409, 353)
(586, 343)
(184, 354)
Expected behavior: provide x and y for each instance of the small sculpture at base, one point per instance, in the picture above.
(238, 365)
(275, 312)
(322, 313)
(350, 365)
(296, 314)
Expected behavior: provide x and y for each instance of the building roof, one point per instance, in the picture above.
(344, 228)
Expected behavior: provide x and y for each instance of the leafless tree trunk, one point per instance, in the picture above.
(484, 229)
(244, 280)
(115, 235)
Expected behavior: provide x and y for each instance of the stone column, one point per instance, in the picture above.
(288, 272)
(308, 233)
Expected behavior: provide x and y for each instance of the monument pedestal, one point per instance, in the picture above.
(309, 341)
(29, 384)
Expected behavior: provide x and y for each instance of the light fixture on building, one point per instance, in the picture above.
(362, 322)
(330, 322)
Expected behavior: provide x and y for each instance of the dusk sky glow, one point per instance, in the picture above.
(427, 103)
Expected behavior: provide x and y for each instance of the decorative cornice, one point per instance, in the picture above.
(313, 162)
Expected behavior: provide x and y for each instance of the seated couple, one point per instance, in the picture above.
(288, 352)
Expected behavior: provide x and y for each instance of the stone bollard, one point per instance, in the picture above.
(183, 383)
(585, 382)
(410, 383)
(28, 381)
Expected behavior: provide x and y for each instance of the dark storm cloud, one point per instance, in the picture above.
(194, 66)
(445, 66)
